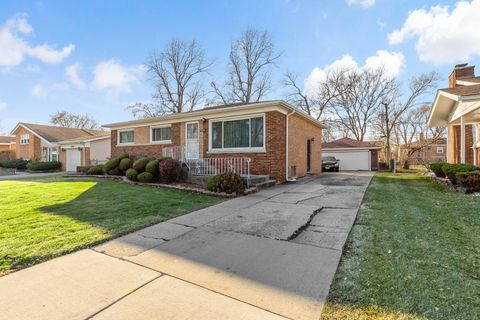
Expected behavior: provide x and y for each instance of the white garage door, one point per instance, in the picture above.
(351, 160)
(74, 159)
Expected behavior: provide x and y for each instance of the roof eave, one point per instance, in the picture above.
(214, 111)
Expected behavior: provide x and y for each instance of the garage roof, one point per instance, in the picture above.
(347, 143)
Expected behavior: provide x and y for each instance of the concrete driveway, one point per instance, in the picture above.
(270, 255)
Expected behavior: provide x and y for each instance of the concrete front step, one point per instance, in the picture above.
(265, 184)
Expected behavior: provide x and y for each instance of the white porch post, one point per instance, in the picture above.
(462, 139)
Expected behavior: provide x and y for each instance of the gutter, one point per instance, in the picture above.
(286, 150)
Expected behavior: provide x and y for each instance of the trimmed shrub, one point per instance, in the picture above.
(152, 167)
(228, 182)
(125, 164)
(123, 156)
(169, 170)
(213, 182)
(83, 169)
(44, 166)
(14, 164)
(115, 172)
(140, 164)
(132, 174)
(145, 177)
(160, 159)
(96, 170)
(111, 164)
(437, 169)
(451, 170)
(469, 180)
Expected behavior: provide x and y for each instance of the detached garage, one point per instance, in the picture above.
(353, 155)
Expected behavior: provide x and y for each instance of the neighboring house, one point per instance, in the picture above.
(271, 138)
(353, 154)
(72, 147)
(458, 109)
(7, 143)
(426, 151)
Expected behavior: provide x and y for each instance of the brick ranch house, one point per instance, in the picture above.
(72, 147)
(275, 138)
(458, 109)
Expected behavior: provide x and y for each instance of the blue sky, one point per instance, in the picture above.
(86, 56)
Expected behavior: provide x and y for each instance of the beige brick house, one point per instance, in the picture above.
(270, 138)
(458, 109)
(7, 143)
(72, 147)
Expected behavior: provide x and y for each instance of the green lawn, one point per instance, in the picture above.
(47, 217)
(414, 253)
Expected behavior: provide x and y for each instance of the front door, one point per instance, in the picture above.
(308, 155)
(191, 151)
(74, 159)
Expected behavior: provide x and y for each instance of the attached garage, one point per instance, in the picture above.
(353, 155)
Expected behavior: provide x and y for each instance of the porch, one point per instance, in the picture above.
(463, 133)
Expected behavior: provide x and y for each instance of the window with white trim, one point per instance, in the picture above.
(126, 137)
(25, 139)
(440, 150)
(161, 134)
(247, 133)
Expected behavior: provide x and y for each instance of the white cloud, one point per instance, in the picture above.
(43, 92)
(71, 73)
(114, 77)
(318, 74)
(38, 91)
(392, 62)
(3, 105)
(443, 35)
(14, 48)
(361, 3)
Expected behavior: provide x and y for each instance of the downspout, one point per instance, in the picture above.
(286, 150)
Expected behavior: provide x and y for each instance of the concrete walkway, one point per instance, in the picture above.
(270, 255)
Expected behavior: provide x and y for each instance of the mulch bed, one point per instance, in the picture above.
(181, 186)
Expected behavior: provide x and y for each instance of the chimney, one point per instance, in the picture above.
(460, 71)
(422, 137)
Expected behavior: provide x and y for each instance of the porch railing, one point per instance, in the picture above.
(214, 166)
(208, 166)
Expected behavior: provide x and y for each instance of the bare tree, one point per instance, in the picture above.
(250, 63)
(412, 133)
(394, 109)
(313, 103)
(70, 120)
(175, 74)
(357, 97)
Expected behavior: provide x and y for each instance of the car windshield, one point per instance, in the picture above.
(329, 159)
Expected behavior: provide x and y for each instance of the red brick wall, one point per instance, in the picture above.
(150, 150)
(299, 132)
(460, 73)
(271, 162)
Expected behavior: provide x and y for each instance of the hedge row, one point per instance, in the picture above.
(20, 164)
(465, 175)
(44, 166)
(143, 169)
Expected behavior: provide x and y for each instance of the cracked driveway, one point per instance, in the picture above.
(270, 255)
